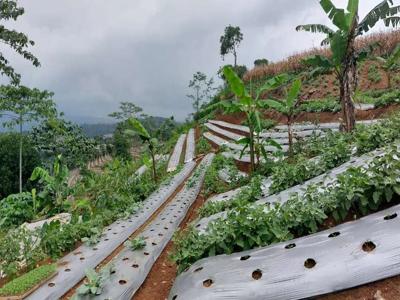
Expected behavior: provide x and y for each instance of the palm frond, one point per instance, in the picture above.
(392, 21)
(379, 12)
(315, 28)
(337, 15)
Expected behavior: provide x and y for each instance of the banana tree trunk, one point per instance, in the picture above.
(348, 80)
(20, 154)
(251, 146)
(290, 134)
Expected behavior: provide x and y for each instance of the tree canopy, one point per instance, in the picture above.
(230, 41)
(17, 41)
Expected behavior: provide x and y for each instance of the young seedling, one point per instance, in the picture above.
(95, 281)
(136, 243)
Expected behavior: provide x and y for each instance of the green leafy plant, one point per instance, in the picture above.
(252, 109)
(288, 107)
(390, 63)
(26, 282)
(373, 74)
(94, 238)
(55, 187)
(136, 128)
(136, 243)
(95, 282)
(203, 146)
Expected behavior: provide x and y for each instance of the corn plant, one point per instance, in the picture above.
(252, 107)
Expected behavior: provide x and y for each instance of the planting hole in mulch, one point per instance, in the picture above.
(334, 234)
(198, 269)
(135, 266)
(257, 274)
(122, 282)
(67, 270)
(246, 257)
(82, 258)
(208, 282)
(51, 284)
(368, 246)
(290, 246)
(310, 263)
(146, 253)
(125, 258)
(174, 297)
(154, 244)
(390, 217)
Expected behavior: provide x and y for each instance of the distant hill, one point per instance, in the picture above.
(101, 129)
(93, 130)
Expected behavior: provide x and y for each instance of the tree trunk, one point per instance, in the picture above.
(290, 134)
(20, 154)
(252, 164)
(235, 56)
(153, 160)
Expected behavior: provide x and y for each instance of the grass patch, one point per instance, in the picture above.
(24, 283)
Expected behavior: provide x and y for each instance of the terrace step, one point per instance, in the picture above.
(176, 154)
(132, 267)
(72, 267)
(190, 146)
(322, 263)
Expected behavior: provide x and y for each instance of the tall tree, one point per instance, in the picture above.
(261, 62)
(202, 88)
(342, 44)
(127, 110)
(21, 105)
(17, 41)
(230, 41)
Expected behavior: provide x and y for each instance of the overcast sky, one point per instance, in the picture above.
(96, 53)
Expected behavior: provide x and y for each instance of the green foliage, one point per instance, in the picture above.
(252, 108)
(202, 88)
(322, 105)
(54, 187)
(202, 146)
(18, 247)
(373, 74)
(94, 238)
(248, 227)
(16, 209)
(23, 284)
(122, 144)
(136, 243)
(136, 128)
(58, 136)
(94, 282)
(127, 110)
(261, 62)
(9, 153)
(230, 41)
(17, 41)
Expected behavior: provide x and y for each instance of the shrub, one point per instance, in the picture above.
(9, 163)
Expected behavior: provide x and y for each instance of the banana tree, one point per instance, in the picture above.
(341, 40)
(390, 63)
(288, 107)
(136, 128)
(252, 108)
